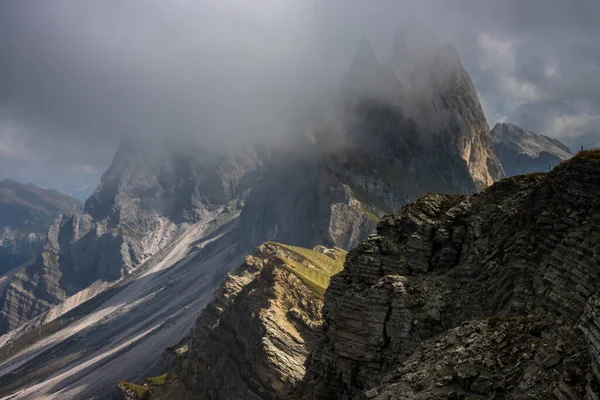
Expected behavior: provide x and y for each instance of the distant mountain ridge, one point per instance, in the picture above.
(522, 151)
(23, 204)
(26, 212)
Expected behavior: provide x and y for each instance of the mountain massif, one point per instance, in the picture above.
(26, 212)
(126, 279)
(523, 152)
(491, 295)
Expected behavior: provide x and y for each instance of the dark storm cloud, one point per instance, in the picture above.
(78, 76)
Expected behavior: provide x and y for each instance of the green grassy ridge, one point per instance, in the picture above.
(315, 280)
(330, 264)
(324, 266)
(143, 392)
(157, 380)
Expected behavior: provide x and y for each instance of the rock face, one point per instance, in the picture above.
(252, 341)
(26, 212)
(144, 202)
(441, 98)
(493, 295)
(523, 152)
(397, 132)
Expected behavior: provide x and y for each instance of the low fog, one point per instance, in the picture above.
(77, 77)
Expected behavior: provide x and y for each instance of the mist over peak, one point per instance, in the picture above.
(410, 45)
(79, 77)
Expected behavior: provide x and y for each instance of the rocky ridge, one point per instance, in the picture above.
(522, 152)
(253, 340)
(486, 296)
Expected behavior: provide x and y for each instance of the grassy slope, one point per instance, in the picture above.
(315, 269)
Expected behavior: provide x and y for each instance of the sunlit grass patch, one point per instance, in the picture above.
(314, 268)
(157, 380)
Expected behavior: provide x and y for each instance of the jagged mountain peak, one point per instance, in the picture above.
(530, 143)
(425, 83)
(177, 181)
(522, 151)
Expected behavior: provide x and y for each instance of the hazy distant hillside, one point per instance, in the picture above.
(26, 212)
(522, 152)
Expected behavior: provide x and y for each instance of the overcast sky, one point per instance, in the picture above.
(78, 76)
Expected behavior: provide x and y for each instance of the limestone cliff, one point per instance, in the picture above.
(523, 152)
(441, 98)
(144, 203)
(252, 341)
(493, 295)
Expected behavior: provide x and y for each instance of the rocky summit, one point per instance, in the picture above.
(523, 152)
(396, 133)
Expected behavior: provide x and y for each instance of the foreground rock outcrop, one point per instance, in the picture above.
(493, 295)
(523, 152)
(253, 340)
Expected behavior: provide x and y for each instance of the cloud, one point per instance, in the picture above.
(498, 61)
(77, 77)
(572, 125)
(10, 145)
(543, 80)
